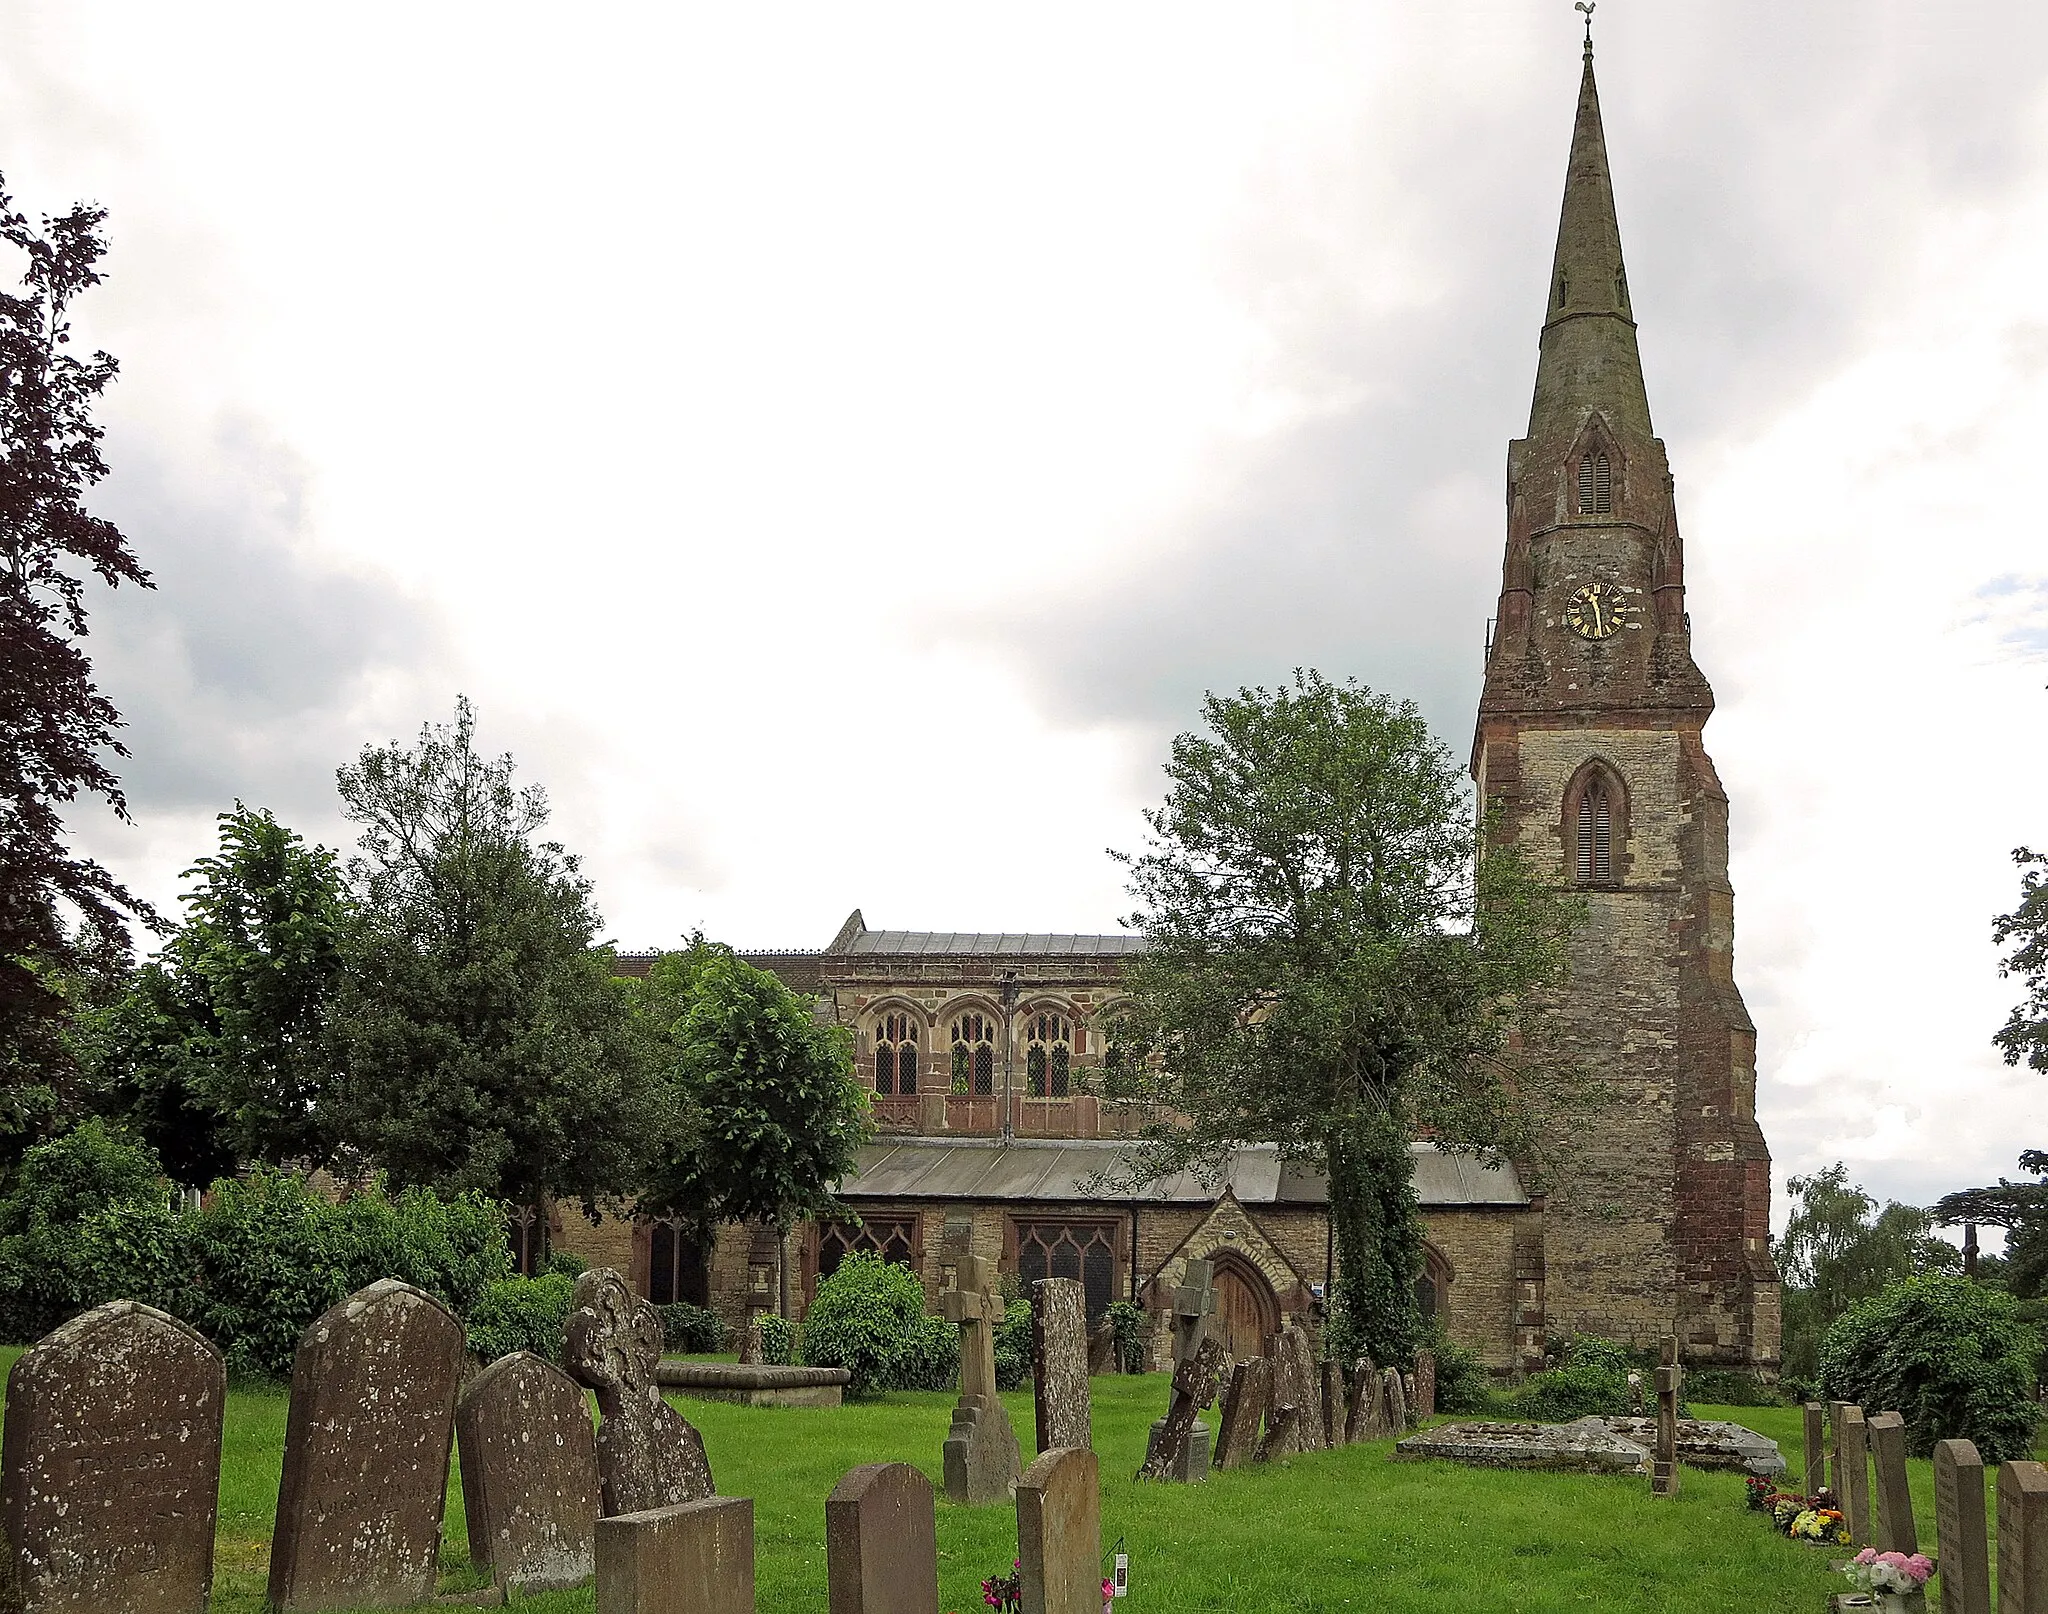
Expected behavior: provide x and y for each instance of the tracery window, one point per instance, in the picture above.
(893, 1238)
(1595, 849)
(896, 1054)
(974, 1054)
(527, 1227)
(1596, 485)
(1048, 1055)
(1071, 1249)
(676, 1269)
(1432, 1288)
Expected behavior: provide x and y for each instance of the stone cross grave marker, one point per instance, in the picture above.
(1336, 1427)
(2022, 1538)
(1425, 1385)
(981, 1454)
(1664, 1480)
(1816, 1448)
(648, 1454)
(1059, 1363)
(1852, 1474)
(694, 1558)
(1965, 1579)
(881, 1542)
(1059, 1532)
(529, 1474)
(1394, 1398)
(1179, 1447)
(1244, 1406)
(1283, 1423)
(1194, 1304)
(366, 1450)
(1895, 1528)
(111, 1469)
(1368, 1417)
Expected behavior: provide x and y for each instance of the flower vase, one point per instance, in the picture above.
(1901, 1602)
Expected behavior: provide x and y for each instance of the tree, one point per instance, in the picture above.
(482, 1042)
(56, 728)
(1324, 970)
(2021, 1208)
(775, 1115)
(1838, 1249)
(2025, 1032)
(220, 1052)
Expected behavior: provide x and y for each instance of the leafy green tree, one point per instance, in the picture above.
(771, 1114)
(2021, 1208)
(49, 1268)
(57, 730)
(482, 1042)
(220, 1053)
(1840, 1248)
(1325, 970)
(2024, 1035)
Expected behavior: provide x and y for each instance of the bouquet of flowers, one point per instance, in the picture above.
(1005, 1593)
(1822, 1526)
(1894, 1572)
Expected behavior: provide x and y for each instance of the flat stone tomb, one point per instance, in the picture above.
(1588, 1445)
(1895, 1528)
(111, 1470)
(881, 1542)
(755, 1384)
(648, 1454)
(694, 1558)
(1059, 1361)
(1059, 1533)
(981, 1455)
(1965, 1554)
(366, 1451)
(1710, 1444)
(1244, 1407)
(529, 1474)
(2022, 1538)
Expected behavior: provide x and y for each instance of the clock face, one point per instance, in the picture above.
(1596, 611)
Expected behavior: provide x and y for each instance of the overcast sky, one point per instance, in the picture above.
(836, 446)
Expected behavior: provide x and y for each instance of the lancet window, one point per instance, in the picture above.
(1596, 485)
(974, 1054)
(896, 1054)
(1595, 837)
(1048, 1055)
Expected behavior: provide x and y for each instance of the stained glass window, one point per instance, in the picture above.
(974, 1054)
(896, 1054)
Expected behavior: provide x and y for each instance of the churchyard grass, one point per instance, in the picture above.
(1329, 1531)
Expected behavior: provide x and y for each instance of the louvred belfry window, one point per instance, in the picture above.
(1048, 1055)
(1596, 835)
(974, 1054)
(1596, 485)
(896, 1054)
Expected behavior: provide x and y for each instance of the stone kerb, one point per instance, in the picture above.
(881, 1542)
(1059, 1534)
(366, 1451)
(529, 1474)
(694, 1558)
(110, 1476)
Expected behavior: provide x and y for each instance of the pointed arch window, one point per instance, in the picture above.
(1596, 484)
(974, 1054)
(1596, 834)
(896, 1054)
(1048, 1055)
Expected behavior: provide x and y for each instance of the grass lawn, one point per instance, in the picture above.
(1343, 1530)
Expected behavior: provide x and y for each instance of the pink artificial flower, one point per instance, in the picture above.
(1867, 1556)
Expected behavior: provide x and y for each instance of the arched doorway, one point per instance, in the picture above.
(1246, 1310)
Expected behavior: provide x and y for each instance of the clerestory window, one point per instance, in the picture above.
(1048, 1055)
(974, 1054)
(896, 1054)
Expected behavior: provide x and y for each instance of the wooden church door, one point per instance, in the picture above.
(1245, 1308)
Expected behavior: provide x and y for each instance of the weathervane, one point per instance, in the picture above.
(1587, 7)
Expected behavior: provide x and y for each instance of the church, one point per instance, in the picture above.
(1588, 753)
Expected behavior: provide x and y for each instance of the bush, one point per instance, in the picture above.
(1730, 1387)
(778, 1341)
(1013, 1346)
(567, 1262)
(522, 1314)
(1462, 1383)
(1128, 1322)
(862, 1319)
(1952, 1356)
(1592, 1382)
(691, 1330)
(86, 1220)
(931, 1360)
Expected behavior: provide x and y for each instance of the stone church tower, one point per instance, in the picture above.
(1590, 754)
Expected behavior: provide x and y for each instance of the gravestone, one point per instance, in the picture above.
(1194, 1304)
(1102, 1351)
(1368, 1414)
(1895, 1528)
(1408, 1384)
(1852, 1474)
(2022, 1538)
(529, 1474)
(693, 1558)
(1281, 1438)
(981, 1454)
(1816, 1448)
(111, 1466)
(1059, 1362)
(1296, 1380)
(1664, 1480)
(366, 1450)
(648, 1454)
(1059, 1531)
(1965, 1580)
(881, 1542)
(1336, 1427)
(1179, 1448)
(1425, 1385)
(1394, 1399)
(1244, 1406)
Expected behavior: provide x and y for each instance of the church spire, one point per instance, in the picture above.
(1588, 352)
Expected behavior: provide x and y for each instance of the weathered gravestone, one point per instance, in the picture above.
(366, 1450)
(2022, 1538)
(1664, 1479)
(694, 1558)
(1368, 1417)
(1965, 1579)
(111, 1468)
(1103, 1356)
(648, 1454)
(981, 1454)
(1852, 1473)
(1296, 1382)
(1895, 1528)
(1179, 1448)
(1425, 1385)
(1336, 1426)
(1816, 1448)
(1282, 1436)
(881, 1542)
(1244, 1406)
(1394, 1398)
(529, 1474)
(1059, 1363)
(1059, 1533)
